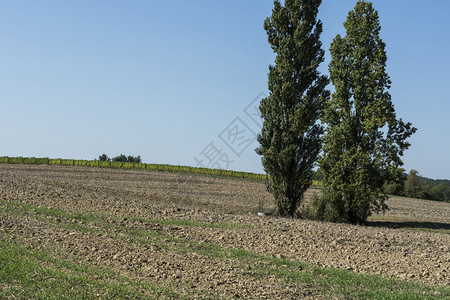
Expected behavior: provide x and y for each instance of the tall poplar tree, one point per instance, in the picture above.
(290, 139)
(364, 140)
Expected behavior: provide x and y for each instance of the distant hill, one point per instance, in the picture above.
(434, 182)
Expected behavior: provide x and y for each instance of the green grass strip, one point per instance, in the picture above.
(98, 217)
(27, 273)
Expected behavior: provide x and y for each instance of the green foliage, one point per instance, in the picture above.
(29, 160)
(3, 159)
(124, 158)
(80, 162)
(25, 273)
(424, 188)
(42, 161)
(290, 140)
(151, 167)
(136, 160)
(121, 158)
(93, 163)
(67, 162)
(413, 187)
(104, 164)
(314, 210)
(54, 161)
(433, 182)
(104, 157)
(128, 165)
(15, 160)
(440, 192)
(364, 141)
(393, 188)
(116, 164)
(138, 166)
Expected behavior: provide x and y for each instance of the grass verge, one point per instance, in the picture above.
(27, 273)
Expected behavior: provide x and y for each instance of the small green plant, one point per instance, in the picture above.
(260, 205)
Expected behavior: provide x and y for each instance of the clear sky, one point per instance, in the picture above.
(177, 81)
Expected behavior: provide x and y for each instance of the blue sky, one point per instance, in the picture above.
(176, 81)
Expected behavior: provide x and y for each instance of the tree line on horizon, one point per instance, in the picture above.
(412, 185)
(121, 158)
(415, 186)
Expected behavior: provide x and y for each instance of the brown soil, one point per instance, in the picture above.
(397, 252)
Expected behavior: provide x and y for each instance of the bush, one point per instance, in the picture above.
(116, 164)
(104, 157)
(139, 166)
(54, 161)
(441, 192)
(127, 165)
(15, 160)
(104, 164)
(333, 207)
(78, 162)
(67, 162)
(314, 210)
(42, 161)
(29, 160)
(129, 158)
(93, 163)
(151, 167)
(4, 159)
(393, 188)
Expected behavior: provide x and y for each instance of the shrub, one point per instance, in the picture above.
(104, 157)
(29, 160)
(393, 188)
(441, 192)
(93, 163)
(139, 166)
(116, 164)
(129, 158)
(67, 162)
(315, 209)
(127, 165)
(104, 164)
(42, 161)
(54, 161)
(15, 160)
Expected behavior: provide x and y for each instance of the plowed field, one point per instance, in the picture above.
(201, 237)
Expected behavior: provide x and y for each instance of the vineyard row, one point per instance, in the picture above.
(136, 166)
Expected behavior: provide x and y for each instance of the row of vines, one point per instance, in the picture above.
(132, 166)
(136, 166)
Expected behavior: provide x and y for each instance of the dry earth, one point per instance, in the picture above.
(129, 195)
